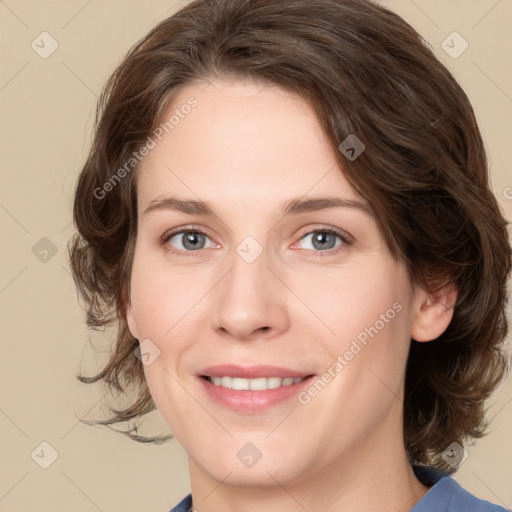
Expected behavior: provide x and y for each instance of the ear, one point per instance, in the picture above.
(432, 313)
(130, 319)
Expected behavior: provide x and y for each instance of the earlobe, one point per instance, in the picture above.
(433, 313)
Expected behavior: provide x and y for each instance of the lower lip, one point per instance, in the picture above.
(247, 401)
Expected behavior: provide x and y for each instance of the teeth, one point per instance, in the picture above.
(259, 384)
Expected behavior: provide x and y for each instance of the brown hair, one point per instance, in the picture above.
(364, 71)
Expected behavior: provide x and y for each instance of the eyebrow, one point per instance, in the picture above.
(293, 206)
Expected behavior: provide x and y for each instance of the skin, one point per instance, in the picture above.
(245, 149)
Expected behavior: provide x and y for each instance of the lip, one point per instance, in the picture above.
(249, 401)
(251, 372)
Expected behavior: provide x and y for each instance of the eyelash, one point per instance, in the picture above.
(346, 241)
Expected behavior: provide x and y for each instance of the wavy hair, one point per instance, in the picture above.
(364, 71)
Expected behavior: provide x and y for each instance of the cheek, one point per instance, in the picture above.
(164, 299)
(350, 299)
(367, 312)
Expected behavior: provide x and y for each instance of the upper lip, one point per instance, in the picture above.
(251, 372)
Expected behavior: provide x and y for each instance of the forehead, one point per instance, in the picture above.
(240, 141)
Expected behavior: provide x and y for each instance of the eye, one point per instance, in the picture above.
(325, 239)
(186, 241)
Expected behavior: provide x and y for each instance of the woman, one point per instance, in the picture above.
(286, 210)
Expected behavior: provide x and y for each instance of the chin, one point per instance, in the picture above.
(262, 471)
(256, 477)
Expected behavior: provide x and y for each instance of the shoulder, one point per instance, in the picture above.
(184, 505)
(446, 495)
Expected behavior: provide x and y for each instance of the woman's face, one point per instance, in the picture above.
(239, 266)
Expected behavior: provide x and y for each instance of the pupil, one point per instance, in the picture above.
(192, 239)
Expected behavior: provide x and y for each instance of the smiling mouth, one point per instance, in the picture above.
(257, 384)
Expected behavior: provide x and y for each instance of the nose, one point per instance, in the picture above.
(250, 301)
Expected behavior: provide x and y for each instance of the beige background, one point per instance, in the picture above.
(47, 110)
